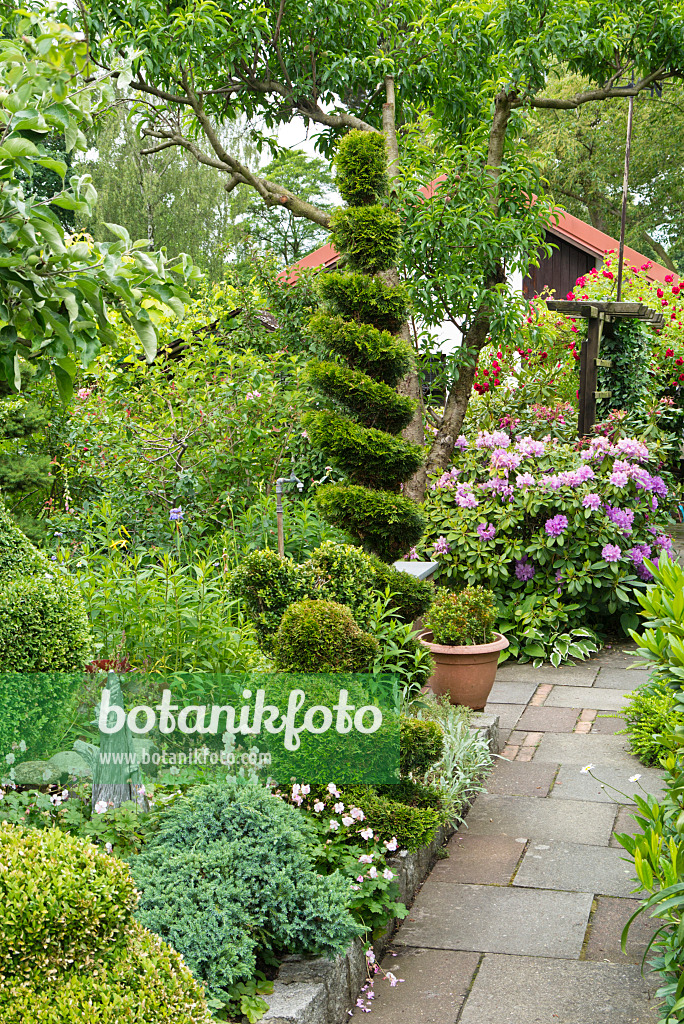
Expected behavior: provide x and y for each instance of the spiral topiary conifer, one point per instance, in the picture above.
(359, 323)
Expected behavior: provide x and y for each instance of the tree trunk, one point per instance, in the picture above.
(410, 385)
(662, 252)
(442, 450)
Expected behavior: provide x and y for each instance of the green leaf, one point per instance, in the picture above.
(148, 336)
(65, 384)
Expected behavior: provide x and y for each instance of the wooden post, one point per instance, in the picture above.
(589, 373)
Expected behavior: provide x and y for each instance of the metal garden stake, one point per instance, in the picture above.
(291, 479)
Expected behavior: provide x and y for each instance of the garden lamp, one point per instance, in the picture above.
(291, 479)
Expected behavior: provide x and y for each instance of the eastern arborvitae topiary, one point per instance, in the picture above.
(359, 324)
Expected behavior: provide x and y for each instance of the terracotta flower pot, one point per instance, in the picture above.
(466, 673)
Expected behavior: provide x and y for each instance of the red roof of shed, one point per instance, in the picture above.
(563, 224)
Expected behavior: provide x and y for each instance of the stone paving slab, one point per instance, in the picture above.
(497, 919)
(608, 724)
(580, 697)
(587, 748)
(621, 678)
(575, 867)
(514, 778)
(482, 860)
(573, 784)
(531, 990)
(548, 719)
(605, 928)
(434, 985)
(625, 822)
(573, 821)
(508, 714)
(565, 675)
(504, 692)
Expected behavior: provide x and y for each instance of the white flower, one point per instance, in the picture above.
(108, 847)
(10, 758)
(332, 789)
(587, 768)
(334, 825)
(372, 872)
(22, 746)
(403, 853)
(366, 833)
(370, 955)
(55, 800)
(391, 845)
(388, 874)
(338, 808)
(100, 806)
(635, 778)
(318, 807)
(357, 813)
(347, 820)
(65, 794)
(305, 790)
(366, 858)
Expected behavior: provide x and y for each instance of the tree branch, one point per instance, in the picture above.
(591, 95)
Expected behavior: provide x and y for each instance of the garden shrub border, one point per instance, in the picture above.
(320, 991)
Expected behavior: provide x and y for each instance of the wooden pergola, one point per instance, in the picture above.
(600, 316)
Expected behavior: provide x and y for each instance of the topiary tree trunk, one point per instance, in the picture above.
(360, 324)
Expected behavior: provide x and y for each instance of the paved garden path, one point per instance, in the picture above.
(521, 924)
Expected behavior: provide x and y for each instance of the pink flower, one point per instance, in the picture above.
(373, 872)
(347, 820)
(356, 813)
(334, 825)
(388, 875)
(332, 789)
(318, 807)
(391, 844)
(366, 858)
(611, 553)
(338, 808)
(366, 833)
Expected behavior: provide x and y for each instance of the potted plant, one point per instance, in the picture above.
(464, 645)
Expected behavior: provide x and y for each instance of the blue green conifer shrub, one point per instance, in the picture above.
(227, 880)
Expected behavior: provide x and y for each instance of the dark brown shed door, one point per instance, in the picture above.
(560, 270)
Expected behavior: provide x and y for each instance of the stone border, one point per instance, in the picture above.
(320, 991)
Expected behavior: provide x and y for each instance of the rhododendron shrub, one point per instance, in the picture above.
(559, 535)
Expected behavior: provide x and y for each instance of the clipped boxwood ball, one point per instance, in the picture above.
(361, 167)
(43, 625)
(147, 984)
(322, 636)
(63, 902)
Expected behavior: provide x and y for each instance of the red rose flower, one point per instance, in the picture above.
(660, 293)
(669, 351)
